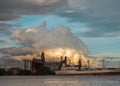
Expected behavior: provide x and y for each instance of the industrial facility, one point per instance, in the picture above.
(36, 64)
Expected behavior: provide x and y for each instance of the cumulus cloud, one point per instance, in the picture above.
(43, 38)
(55, 43)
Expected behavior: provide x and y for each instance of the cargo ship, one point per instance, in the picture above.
(88, 72)
(78, 70)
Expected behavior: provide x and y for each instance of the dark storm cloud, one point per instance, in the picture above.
(99, 33)
(101, 17)
(8, 16)
(13, 9)
(102, 30)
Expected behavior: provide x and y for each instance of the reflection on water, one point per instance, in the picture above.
(60, 81)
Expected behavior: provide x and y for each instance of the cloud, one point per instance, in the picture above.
(2, 41)
(43, 38)
(10, 62)
(100, 32)
(6, 29)
(5, 26)
(17, 51)
(101, 17)
(8, 16)
(5, 41)
(55, 43)
(13, 9)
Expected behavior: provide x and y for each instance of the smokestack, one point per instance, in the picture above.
(65, 60)
(61, 62)
(79, 64)
(61, 59)
(43, 58)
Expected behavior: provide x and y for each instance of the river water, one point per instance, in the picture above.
(59, 80)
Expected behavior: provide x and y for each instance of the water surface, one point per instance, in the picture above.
(59, 80)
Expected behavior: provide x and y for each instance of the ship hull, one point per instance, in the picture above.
(97, 72)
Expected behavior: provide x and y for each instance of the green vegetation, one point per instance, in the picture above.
(42, 71)
(9, 72)
(2, 71)
(24, 72)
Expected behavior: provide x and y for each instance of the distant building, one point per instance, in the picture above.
(14, 70)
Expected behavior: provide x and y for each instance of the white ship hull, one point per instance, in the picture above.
(88, 72)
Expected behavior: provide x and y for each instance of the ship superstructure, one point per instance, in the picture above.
(69, 69)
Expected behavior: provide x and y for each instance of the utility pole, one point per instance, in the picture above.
(61, 62)
(43, 58)
(65, 60)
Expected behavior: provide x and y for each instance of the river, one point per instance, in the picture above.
(59, 80)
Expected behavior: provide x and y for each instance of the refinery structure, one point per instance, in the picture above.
(63, 67)
(37, 63)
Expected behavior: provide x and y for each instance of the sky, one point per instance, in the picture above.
(95, 22)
